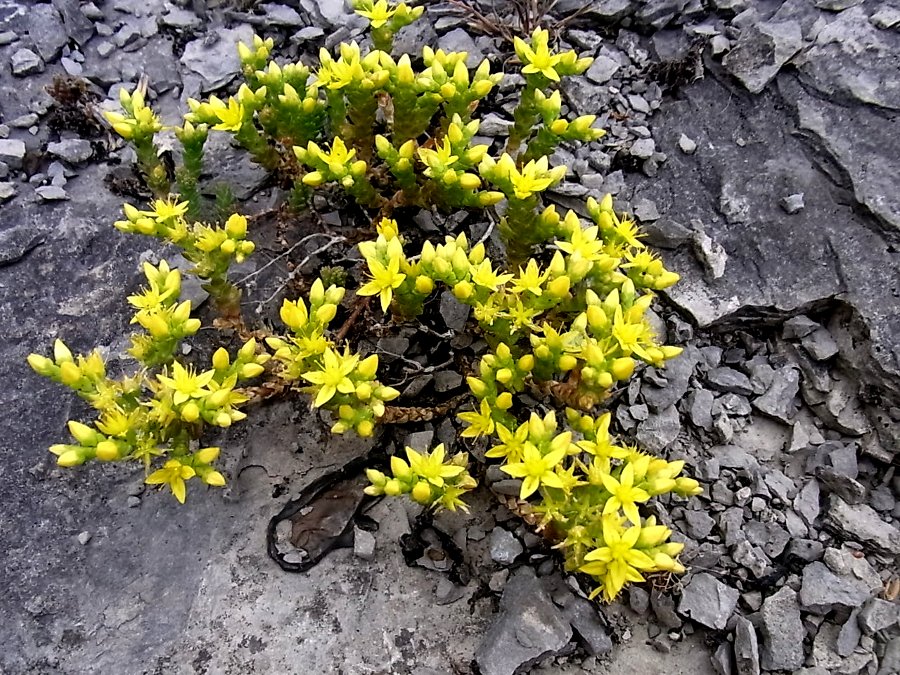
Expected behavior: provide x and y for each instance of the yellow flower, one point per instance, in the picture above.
(231, 116)
(630, 336)
(537, 57)
(530, 279)
(512, 444)
(173, 474)
(332, 375)
(164, 209)
(384, 280)
(624, 494)
(431, 467)
(480, 423)
(379, 14)
(583, 244)
(617, 561)
(629, 231)
(536, 470)
(186, 384)
(535, 176)
(483, 275)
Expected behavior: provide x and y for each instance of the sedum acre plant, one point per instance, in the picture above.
(563, 313)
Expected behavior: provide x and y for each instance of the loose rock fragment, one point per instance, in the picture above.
(504, 546)
(687, 146)
(823, 590)
(782, 632)
(746, 648)
(708, 601)
(761, 51)
(862, 523)
(26, 62)
(529, 628)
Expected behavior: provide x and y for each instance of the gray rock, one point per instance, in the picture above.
(792, 203)
(862, 523)
(807, 550)
(643, 148)
(453, 312)
(84, 537)
(848, 638)
(677, 374)
(886, 17)
(12, 152)
(823, 590)
(46, 30)
(726, 379)
(890, 660)
(842, 485)
(363, 544)
(180, 18)
(806, 503)
(837, 6)
(825, 652)
(659, 13)
(7, 191)
(588, 625)
(638, 600)
(723, 660)
(78, 26)
(778, 401)
(782, 632)
(752, 557)
(687, 146)
(282, 15)
(72, 150)
(528, 629)
(602, 69)
(770, 536)
(798, 327)
(708, 601)
(847, 562)
(700, 402)
(878, 615)
(710, 253)
(645, 210)
(746, 647)
(820, 344)
(51, 193)
(699, 524)
(493, 125)
(504, 546)
(761, 51)
(821, 125)
(26, 62)
(217, 63)
(664, 610)
(659, 430)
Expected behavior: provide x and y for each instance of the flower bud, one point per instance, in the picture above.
(213, 478)
(236, 226)
(41, 365)
(61, 353)
(365, 428)
(326, 313)
(368, 367)
(107, 451)
(421, 493)
(567, 362)
(69, 373)
(251, 370)
(504, 401)
(83, 433)
(424, 285)
(70, 458)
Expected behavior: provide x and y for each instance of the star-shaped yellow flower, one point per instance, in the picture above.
(385, 278)
(332, 375)
(186, 383)
(617, 561)
(624, 494)
(537, 56)
(173, 474)
(480, 423)
(536, 470)
(431, 467)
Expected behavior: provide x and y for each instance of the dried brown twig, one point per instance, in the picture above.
(522, 18)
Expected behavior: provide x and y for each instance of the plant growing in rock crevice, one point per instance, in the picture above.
(563, 315)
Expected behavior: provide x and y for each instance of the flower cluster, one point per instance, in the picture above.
(337, 380)
(154, 413)
(431, 479)
(211, 248)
